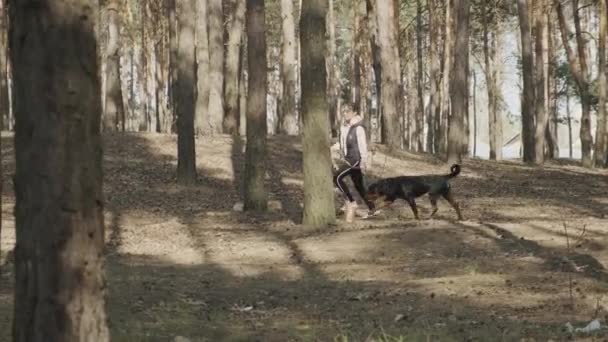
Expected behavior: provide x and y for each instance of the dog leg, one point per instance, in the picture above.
(448, 196)
(412, 204)
(433, 199)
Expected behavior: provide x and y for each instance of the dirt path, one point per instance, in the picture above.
(181, 262)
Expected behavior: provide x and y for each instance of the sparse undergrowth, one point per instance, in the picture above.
(181, 262)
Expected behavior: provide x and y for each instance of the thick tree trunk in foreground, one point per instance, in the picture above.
(59, 277)
(601, 143)
(319, 209)
(215, 18)
(185, 94)
(540, 25)
(256, 197)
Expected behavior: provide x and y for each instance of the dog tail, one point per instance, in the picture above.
(454, 171)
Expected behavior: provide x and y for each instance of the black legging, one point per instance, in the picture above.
(356, 175)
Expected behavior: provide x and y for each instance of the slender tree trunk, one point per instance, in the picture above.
(59, 277)
(474, 114)
(243, 87)
(376, 58)
(173, 60)
(578, 67)
(419, 132)
(236, 26)
(256, 197)
(216, 66)
(601, 142)
(319, 210)
(201, 116)
(448, 58)
(541, 114)
(459, 83)
(332, 70)
(114, 108)
(569, 118)
(4, 102)
(490, 71)
(288, 119)
(552, 150)
(434, 100)
(391, 73)
(185, 92)
(529, 98)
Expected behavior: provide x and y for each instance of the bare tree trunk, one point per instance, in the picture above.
(4, 102)
(490, 71)
(601, 142)
(114, 108)
(332, 71)
(288, 120)
(419, 132)
(215, 21)
(236, 25)
(434, 100)
(541, 114)
(474, 114)
(459, 83)
(448, 58)
(356, 67)
(529, 98)
(578, 67)
(391, 74)
(376, 59)
(255, 196)
(569, 118)
(552, 150)
(201, 116)
(185, 92)
(243, 87)
(319, 209)
(59, 278)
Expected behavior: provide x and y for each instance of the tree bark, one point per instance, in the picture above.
(552, 150)
(601, 142)
(319, 209)
(4, 91)
(540, 25)
(376, 59)
(236, 26)
(288, 119)
(419, 132)
(434, 100)
(216, 67)
(59, 278)
(490, 70)
(529, 98)
(391, 73)
(185, 92)
(459, 83)
(255, 196)
(201, 116)
(333, 85)
(578, 68)
(114, 108)
(448, 58)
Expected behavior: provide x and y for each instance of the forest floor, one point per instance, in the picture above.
(182, 262)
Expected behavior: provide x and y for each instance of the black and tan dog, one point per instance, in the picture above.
(408, 188)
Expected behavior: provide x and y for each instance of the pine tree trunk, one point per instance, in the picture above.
(201, 116)
(490, 71)
(243, 87)
(578, 68)
(459, 83)
(332, 71)
(389, 55)
(4, 102)
(288, 118)
(215, 24)
(551, 137)
(541, 114)
(59, 278)
(419, 132)
(173, 60)
(185, 95)
(256, 197)
(376, 59)
(569, 119)
(448, 58)
(601, 143)
(474, 75)
(114, 108)
(528, 100)
(434, 100)
(356, 67)
(319, 209)
(236, 26)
